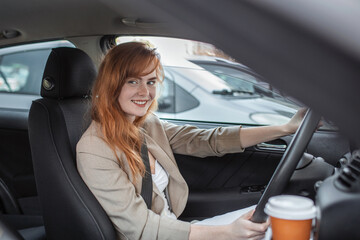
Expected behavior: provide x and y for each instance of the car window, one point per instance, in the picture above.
(237, 78)
(21, 67)
(199, 95)
(166, 100)
(174, 98)
(204, 84)
(20, 73)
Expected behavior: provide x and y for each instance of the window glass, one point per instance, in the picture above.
(204, 84)
(22, 72)
(197, 94)
(22, 67)
(166, 101)
(184, 100)
(173, 98)
(237, 78)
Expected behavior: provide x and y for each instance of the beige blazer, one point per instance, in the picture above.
(121, 199)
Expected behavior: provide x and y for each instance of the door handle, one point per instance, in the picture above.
(271, 147)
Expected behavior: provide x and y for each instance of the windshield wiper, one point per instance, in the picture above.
(230, 92)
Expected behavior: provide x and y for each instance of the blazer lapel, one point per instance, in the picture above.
(163, 158)
(178, 189)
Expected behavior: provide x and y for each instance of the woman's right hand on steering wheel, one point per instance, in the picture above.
(244, 228)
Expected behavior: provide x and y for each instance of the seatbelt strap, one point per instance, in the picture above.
(147, 186)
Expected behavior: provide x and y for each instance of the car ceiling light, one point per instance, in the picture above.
(142, 22)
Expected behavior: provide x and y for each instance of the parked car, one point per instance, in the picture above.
(192, 93)
(310, 49)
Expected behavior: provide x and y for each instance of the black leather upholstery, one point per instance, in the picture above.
(7, 232)
(21, 227)
(70, 72)
(56, 123)
(9, 203)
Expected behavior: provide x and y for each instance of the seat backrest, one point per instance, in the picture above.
(56, 123)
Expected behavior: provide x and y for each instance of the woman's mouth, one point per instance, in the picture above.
(140, 103)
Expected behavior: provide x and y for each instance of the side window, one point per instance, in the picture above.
(22, 72)
(202, 83)
(184, 100)
(174, 98)
(22, 67)
(166, 102)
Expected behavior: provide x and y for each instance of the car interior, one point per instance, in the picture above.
(42, 196)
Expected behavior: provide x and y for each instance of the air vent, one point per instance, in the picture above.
(349, 178)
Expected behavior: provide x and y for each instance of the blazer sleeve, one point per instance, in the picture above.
(111, 186)
(193, 141)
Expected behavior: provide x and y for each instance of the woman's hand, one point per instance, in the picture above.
(252, 136)
(295, 121)
(243, 228)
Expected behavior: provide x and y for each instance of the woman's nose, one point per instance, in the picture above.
(143, 90)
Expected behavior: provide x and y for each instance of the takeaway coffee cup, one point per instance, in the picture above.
(290, 217)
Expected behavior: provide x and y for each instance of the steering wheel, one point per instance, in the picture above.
(288, 163)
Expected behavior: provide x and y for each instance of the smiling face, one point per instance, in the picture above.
(137, 94)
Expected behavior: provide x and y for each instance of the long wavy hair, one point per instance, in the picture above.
(123, 61)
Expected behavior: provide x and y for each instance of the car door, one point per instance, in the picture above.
(222, 184)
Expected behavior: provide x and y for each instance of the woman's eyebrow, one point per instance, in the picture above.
(149, 79)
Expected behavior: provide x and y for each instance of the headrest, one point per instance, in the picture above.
(69, 72)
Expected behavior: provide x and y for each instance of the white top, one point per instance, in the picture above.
(161, 180)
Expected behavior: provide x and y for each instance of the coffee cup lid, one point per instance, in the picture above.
(290, 207)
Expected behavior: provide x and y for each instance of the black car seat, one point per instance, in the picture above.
(8, 232)
(56, 123)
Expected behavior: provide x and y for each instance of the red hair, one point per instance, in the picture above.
(120, 63)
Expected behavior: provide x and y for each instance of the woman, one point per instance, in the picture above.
(108, 154)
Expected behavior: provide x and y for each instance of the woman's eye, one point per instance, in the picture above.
(132, 81)
(151, 82)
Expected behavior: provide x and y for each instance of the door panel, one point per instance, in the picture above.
(221, 184)
(15, 163)
(249, 168)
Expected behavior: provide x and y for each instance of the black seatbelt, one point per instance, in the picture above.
(146, 188)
